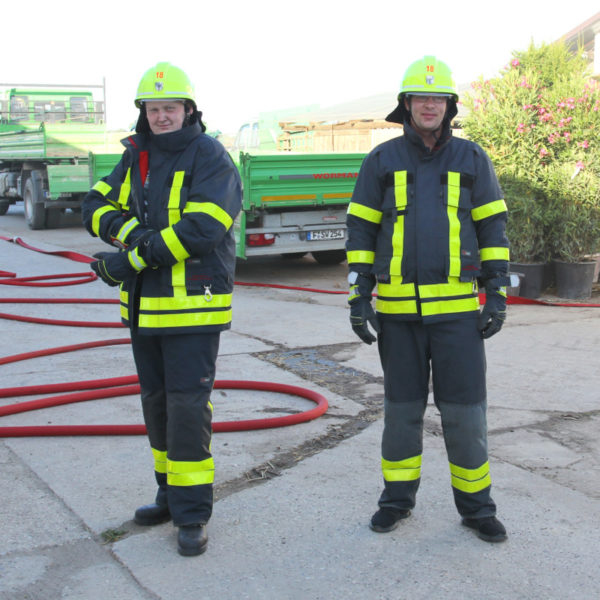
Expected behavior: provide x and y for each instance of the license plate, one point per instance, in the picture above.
(325, 234)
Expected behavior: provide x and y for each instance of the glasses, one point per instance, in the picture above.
(425, 99)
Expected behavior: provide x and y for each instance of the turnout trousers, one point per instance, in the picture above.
(453, 353)
(177, 374)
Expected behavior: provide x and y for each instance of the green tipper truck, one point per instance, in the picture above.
(53, 147)
(296, 203)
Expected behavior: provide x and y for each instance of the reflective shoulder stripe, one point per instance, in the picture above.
(488, 210)
(470, 480)
(125, 190)
(97, 216)
(174, 245)
(360, 256)
(494, 254)
(364, 212)
(102, 187)
(211, 209)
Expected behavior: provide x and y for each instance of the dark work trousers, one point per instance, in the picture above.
(453, 352)
(177, 374)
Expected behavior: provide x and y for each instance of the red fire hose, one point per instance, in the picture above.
(82, 391)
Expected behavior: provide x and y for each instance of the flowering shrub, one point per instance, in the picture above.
(540, 123)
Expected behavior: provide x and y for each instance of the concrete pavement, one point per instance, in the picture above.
(290, 520)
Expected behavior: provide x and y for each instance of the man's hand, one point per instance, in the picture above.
(115, 267)
(361, 311)
(493, 315)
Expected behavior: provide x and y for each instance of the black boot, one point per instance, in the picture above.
(488, 528)
(152, 514)
(192, 540)
(386, 519)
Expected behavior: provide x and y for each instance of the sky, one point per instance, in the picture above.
(251, 57)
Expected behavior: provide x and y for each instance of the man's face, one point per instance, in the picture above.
(427, 111)
(165, 116)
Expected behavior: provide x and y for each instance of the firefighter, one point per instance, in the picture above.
(426, 222)
(169, 206)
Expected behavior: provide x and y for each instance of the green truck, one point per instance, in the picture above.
(54, 145)
(295, 204)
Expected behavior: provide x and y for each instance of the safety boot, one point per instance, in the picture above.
(192, 539)
(488, 528)
(152, 514)
(386, 519)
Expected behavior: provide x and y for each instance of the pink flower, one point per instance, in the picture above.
(515, 62)
(579, 165)
(543, 152)
(584, 144)
(521, 127)
(567, 136)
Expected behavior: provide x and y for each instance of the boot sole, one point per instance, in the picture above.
(381, 529)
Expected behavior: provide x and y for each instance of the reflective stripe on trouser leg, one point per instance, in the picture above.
(460, 395)
(406, 374)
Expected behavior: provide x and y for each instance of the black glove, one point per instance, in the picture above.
(361, 311)
(493, 315)
(115, 267)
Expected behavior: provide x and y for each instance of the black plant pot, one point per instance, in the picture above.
(574, 280)
(533, 282)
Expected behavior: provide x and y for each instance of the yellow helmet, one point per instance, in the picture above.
(164, 81)
(427, 76)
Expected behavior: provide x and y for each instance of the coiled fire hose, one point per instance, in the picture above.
(81, 391)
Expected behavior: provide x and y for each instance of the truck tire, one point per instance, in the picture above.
(4, 204)
(35, 213)
(329, 257)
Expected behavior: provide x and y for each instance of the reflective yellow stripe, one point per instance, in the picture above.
(444, 290)
(364, 212)
(97, 216)
(408, 469)
(185, 319)
(488, 210)
(185, 303)
(135, 260)
(398, 234)
(126, 229)
(125, 189)
(398, 307)
(174, 245)
(454, 223)
(470, 480)
(175, 198)
(186, 473)
(360, 256)
(494, 254)
(211, 209)
(160, 460)
(102, 187)
(445, 307)
(396, 289)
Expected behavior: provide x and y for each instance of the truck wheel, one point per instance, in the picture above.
(35, 213)
(329, 257)
(4, 204)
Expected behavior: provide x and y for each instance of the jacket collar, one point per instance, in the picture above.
(174, 141)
